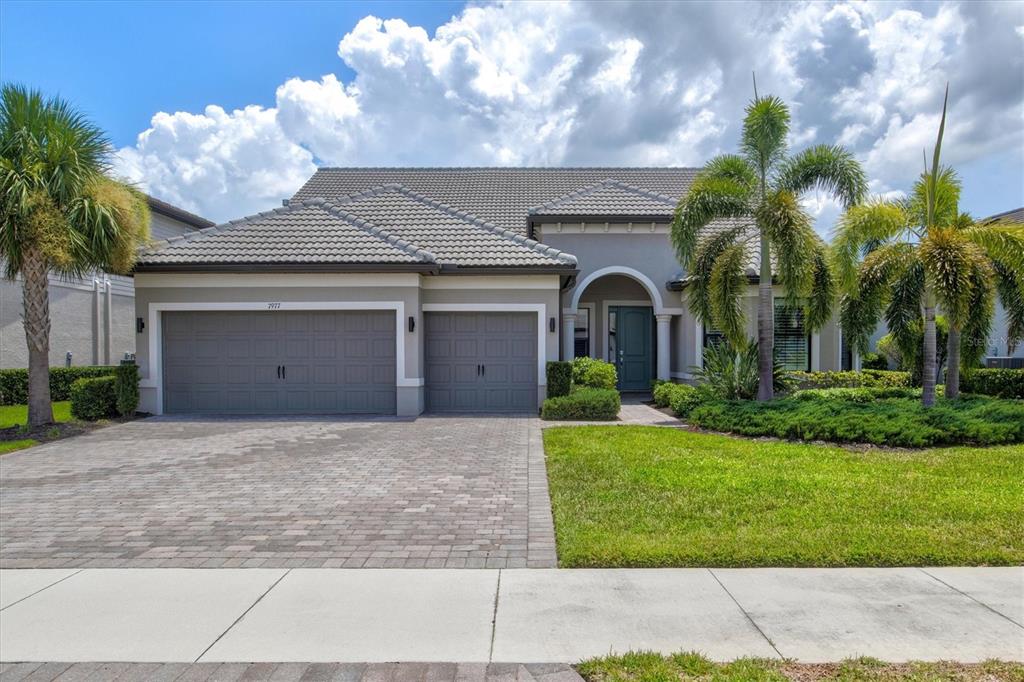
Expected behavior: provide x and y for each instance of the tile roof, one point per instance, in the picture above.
(609, 197)
(179, 214)
(501, 196)
(387, 225)
(311, 231)
(1014, 216)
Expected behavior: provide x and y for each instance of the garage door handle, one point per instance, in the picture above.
(483, 369)
(284, 372)
(279, 371)
(478, 370)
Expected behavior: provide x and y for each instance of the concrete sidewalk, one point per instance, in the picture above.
(369, 615)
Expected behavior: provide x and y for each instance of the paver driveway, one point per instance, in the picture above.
(434, 492)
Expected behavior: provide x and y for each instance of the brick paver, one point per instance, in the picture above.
(462, 492)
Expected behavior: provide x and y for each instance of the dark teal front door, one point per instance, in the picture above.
(629, 343)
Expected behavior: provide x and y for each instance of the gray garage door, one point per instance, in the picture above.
(481, 362)
(284, 362)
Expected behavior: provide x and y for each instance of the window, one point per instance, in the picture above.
(582, 333)
(713, 337)
(846, 353)
(792, 342)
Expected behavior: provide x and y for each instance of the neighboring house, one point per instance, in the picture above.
(400, 290)
(92, 319)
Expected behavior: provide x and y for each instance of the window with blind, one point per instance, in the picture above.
(713, 338)
(792, 341)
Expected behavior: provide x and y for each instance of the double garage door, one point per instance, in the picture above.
(284, 362)
(343, 362)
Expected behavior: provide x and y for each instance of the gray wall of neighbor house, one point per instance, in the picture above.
(95, 326)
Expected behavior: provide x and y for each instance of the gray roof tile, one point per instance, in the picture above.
(609, 198)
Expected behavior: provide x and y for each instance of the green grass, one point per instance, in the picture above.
(14, 415)
(650, 496)
(652, 667)
(12, 445)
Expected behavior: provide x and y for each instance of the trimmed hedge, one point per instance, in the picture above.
(583, 404)
(559, 375)
(1001, 383)
(93, 399)
(868, 378)
(593, 373)
(126, 388)
(14, 382)
(680, 397)
(874, 361)
(894, 422)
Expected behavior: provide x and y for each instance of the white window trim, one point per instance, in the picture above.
(155, 360)
(539, 308)
(591, 311)
(644, 280)
(604, 312)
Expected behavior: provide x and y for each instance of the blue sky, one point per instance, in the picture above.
(237, 102)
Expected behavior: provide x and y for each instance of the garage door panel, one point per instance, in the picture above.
(327, 368)
(458, 343)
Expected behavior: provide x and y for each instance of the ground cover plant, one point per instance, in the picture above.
(650, 496)
(653, 667)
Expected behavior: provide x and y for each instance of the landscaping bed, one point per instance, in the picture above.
(649, 496)
(650, 667)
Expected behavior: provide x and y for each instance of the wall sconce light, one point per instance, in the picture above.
(140, 324)
(552, 325)
(412, 324)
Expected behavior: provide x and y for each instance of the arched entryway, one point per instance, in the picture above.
(618, 314)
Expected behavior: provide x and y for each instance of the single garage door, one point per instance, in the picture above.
(283, 362)
(481, 362)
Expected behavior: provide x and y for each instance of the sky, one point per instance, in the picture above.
(227, 108)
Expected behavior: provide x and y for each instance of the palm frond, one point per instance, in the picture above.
(765, 128)
(1002, 241)
(1011, 294)
(829, 168)
(823, 292)
(731, 167)
(861, 307)
(793, 242)
(699, 276)
(949, 260)
(936, 203)
(710, 198)
(977, 322)
(861, 228)
(728, 283)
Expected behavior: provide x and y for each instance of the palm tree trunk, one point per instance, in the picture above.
(953, 363)
(928, 367)
(36, 298)
(765, 326)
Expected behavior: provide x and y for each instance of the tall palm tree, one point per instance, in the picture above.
(60, 213)
(903, 259)
(746, 203)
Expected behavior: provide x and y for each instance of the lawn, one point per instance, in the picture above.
(650, 496)
(15, 415)
(651, 667)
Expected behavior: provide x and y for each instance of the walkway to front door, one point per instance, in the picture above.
(452, 492)
(630, 346)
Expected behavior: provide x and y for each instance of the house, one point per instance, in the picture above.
(92, 318)
(403, 290)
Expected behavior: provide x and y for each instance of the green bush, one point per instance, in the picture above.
(93, 399)
(126, 387)
(583, 404)
(861, 394)
(1001, 383)
(868, 378)
(593, 373)
(733, 374)
(894, 422)
(14, 382)
(680, 397)
(559, 378)
(874, 361)
(661, 391)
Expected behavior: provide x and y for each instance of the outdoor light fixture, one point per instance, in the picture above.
(412, 324)
(552, 325)
(140, 324)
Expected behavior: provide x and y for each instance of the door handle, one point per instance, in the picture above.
(483, 369)
(284, 372)
(279, 371)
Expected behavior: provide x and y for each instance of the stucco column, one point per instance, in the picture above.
(664, 347)
(568, 336)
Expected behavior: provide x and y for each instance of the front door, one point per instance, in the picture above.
(629, 344)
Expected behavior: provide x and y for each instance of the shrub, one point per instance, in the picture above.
(868, 378)
(861, 394)
(14, 382)
(662, 392)
(93, 399)
(680, 397)
(593, 373)
(590, 404)
(1001, 383)
(874, 361)
(732, 375)
(895, 422)
(559, 376)
(126, 387)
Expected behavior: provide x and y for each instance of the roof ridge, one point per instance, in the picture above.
(587, 190)
(366, 226)
(532, 244)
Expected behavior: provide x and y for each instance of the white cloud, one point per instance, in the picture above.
(561, 83)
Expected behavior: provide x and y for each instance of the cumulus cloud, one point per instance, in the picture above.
(606, 84)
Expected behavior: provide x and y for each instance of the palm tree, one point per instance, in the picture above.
(739, 200)
(60, 213)
(907, 257)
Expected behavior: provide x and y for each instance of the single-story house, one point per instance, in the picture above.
(404, 290)
(92, 318)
